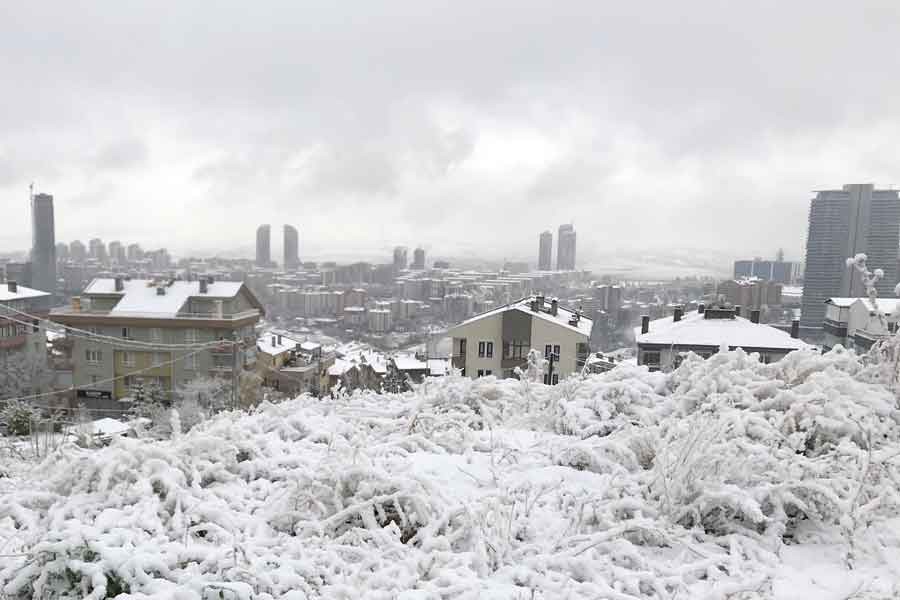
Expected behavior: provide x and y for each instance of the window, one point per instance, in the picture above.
(548, 349)
(93, 356)
(481, 372)
(462, 347)
(546, 379)
(516, 349)
(160, 358)
(488, 372)
(555, 379)
(651, 358)
(156, 335)
(95, 379)
(190, 336)
(126, 333)
(556, 352)
(190, 361)
(490, 349)
(481, 349)
(128, 359)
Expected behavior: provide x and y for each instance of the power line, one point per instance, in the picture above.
(103, 381)
(111, 340)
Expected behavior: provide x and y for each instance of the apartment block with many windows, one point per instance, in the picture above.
(139, 333)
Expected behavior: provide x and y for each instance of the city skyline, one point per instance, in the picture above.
(464, 129)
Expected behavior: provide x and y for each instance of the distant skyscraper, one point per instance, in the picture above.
(545, 252)
(263, 246)
(565, 249)
(117, 252)
(134, 252)
(43, 243)
(77, 251)
(400, 258)
(843, 223)
(97, 249)
(291, 247)
(62, 252)
(418, 259)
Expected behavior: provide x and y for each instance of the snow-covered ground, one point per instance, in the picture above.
(725, 479)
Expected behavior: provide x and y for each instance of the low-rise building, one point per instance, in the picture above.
(662, 343)
(498, 341)
(140, 332)
(857, 323)
(21, 320)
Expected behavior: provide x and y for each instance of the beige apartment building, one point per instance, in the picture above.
(498, 341)
(153, 329)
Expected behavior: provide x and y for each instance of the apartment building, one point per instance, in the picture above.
(150, 326)
(662, 343)
(842, 223)
(750, 293)
(16, 335)
(498, 341)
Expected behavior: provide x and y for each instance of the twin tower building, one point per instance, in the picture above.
(264, 247)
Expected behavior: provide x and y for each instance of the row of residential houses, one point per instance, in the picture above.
(124, 334)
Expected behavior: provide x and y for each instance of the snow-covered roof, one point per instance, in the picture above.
(21, 293)
(888, 306)
(408, 362)
(562, 317)
(695, 330)
(264, 343)
(310, 346)
(438, 366)
(107, 426)
(140, 296)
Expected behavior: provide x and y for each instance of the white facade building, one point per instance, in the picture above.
(498, 341)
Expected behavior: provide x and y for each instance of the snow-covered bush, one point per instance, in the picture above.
(623, 485)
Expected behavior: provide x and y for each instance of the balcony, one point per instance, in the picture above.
(127, 314)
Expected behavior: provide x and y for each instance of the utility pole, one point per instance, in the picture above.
(235, 378)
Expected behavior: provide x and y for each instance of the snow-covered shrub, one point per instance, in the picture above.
(18, 417)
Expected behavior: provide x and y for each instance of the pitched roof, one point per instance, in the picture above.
(562, 317)
(696, 330)
(888, 306)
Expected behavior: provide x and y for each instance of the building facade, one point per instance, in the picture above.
(152, 332)
(565, 250)
(842, 223)
(291, 247)
(264, 246)
(750, 293)
(400, 259)
(418, 259)
(545, 252)
(43, 243)
(498, 341)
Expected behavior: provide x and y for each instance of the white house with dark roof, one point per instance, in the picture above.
(662, 342)
(857, 323)
(498, 341)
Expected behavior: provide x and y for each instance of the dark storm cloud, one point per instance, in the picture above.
(453, 120)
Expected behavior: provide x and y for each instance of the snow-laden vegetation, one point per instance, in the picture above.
(724, 479)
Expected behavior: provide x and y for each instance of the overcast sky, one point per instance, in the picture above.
(457, 125)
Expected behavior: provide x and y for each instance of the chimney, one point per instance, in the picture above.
(160, 290)
(701, 308)
(679, 312)
(534, 305)
(737, 310)
(274, 341)
(120, 283)
(554, 307)
(540, 302)
(204, 286)
(210, 279)
(892, 327)
(754, 316)
(645, 323)
(279, 339)
(795, 329)
(12, 286)
(76, 303)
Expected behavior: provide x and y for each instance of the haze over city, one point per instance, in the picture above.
(439, 123)
(449, 300)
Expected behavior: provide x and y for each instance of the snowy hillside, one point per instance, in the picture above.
(725, 479)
